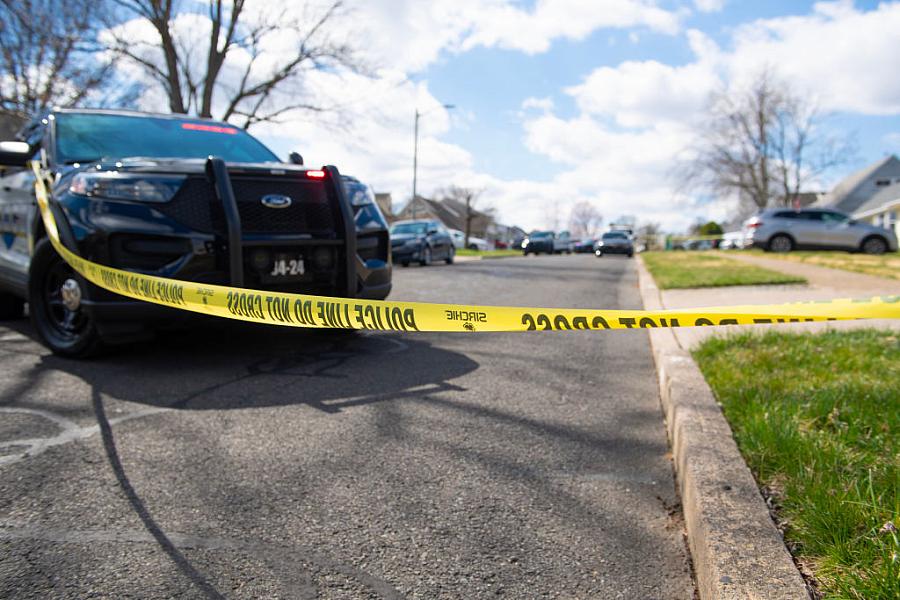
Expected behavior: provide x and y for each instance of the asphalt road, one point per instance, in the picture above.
(239, 462)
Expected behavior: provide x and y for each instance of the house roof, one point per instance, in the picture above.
(845, 194)
(450, 212)
(886, 197)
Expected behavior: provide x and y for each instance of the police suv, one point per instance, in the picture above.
(178, 197)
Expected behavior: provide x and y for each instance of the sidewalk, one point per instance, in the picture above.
(824, 284)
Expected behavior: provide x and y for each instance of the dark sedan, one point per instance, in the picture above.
(585, 246)
(538, 242)
(421, 242)
(614, 242)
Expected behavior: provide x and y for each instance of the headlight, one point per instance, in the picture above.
(525, 243)
(116, 186)
(361, 196)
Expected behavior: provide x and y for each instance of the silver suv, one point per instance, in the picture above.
(783, 230)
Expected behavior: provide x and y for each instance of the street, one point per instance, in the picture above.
(245, 462)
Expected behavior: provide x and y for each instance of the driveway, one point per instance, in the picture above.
(244, 462)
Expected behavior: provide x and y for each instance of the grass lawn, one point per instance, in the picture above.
(488, 253)
(708, 269)
(817, 417)
(886, 265)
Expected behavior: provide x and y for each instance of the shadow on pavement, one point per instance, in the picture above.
(236, 366)
(112, 455)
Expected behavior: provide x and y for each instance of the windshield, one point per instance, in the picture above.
(540, 235)
(415, 228)
(88, 137)
(614, 235)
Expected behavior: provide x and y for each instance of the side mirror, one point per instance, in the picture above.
(295, 158)
(852, 222)
(14, 154)
(432, 231)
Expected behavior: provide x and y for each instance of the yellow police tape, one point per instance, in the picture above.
(300, 310)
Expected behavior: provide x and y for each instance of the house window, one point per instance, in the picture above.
(882, 182)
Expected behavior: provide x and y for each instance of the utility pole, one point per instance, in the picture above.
(415, 162)
(416, 151)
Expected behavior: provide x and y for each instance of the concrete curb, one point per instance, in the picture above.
(738, 552)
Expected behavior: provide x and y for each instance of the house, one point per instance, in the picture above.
(450, 212)
(871, 195)
(859, 188)
(882, 209)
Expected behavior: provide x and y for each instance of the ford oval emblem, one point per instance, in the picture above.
(276, 201)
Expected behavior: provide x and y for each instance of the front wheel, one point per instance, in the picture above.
(874, 245)
(598, 253)
(781, 243)
(450, 256)
(426, 257)
(55, 294)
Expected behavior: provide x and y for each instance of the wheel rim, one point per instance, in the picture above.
(781, 244)
(65, 322)
(874, 247)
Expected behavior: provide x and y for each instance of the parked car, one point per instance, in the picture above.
(475, 243)
(783, 230)
(585, 246)
(538, 242)
(732, 240)
(563, 243)
(421, 241)
(158, 194)
(614, 242)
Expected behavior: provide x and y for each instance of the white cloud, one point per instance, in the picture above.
(410, 34)
(541, 104)
(846, 57)
(709, 6)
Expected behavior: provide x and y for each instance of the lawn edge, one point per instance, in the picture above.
(737, 550)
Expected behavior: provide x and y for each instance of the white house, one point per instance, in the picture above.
(882, 209)
(871, 194)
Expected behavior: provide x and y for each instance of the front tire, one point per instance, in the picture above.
(66, 330)
(426, 257)
(598, 253)
(450, 256)
(780, 243)
(874, 245)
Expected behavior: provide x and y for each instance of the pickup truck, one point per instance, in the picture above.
(178, 197)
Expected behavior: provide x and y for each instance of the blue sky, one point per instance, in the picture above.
(489, 85)
(565, 101)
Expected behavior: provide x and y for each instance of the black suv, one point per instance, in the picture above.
(178, 197)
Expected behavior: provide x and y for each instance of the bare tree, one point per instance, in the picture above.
(764, 143)
(585, 220)
(474, 213)
(50, 56)
(241, 72)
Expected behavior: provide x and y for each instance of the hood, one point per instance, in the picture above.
(400, 238)
(180, 166)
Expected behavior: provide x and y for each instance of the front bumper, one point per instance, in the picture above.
(615, 249)
(147, 238)
(406, 254)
